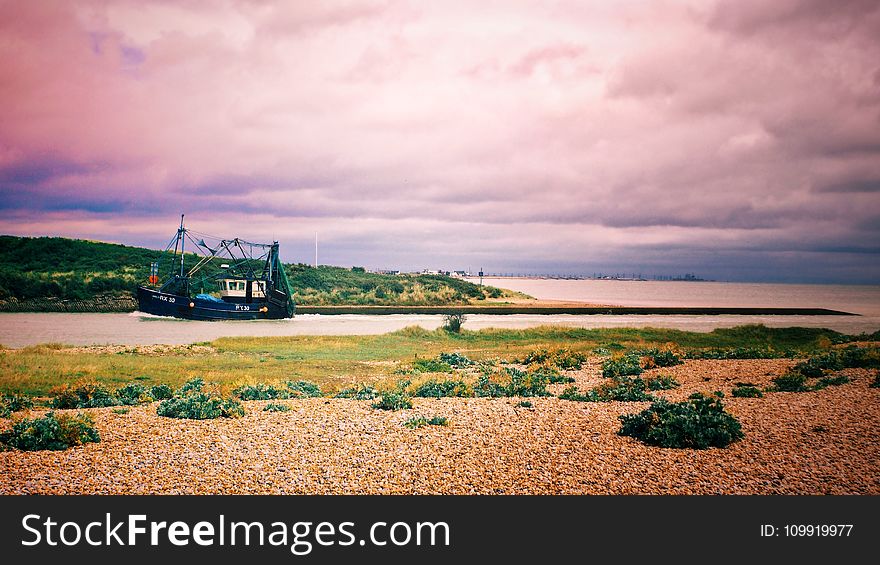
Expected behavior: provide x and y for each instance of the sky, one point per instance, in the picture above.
(735, 140)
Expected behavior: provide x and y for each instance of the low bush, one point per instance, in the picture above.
(260, 391)
(747, 392)
(161, 392)
(431, 366)
(438, 389)
(831, 381)
(83, 395)
(526, 383)
(620, 389)
(697, 423)
(455, 360)
(121, 411)
(876, 382)
(790, 382)
(523, 404)
(51, 432)
(358, 392)
(487, 385)
(626, 365)
(851, 357)
(276, 408)
(421, 421)
(562, 358)
(193, 385)
(10, 403)
(393, 401)
(658, 358)
(662, 382)
(133, 394)
(302, 389)
(453, 322)
(740, 353)
(200, 406)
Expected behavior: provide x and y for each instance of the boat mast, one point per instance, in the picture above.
(180, 235)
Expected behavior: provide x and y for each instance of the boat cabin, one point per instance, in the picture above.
(237, 288)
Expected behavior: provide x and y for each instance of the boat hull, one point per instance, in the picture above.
(165, 304)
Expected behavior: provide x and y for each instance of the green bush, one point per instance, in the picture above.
(438, 389)
(747, 392)
(193, 385)
(486, 387)
(10, 403)
(83, 395)
(562, 358)
(831, 381)
(790, 382)
(662, 382)
(452, 322)
(421, 421)
(260, 391)
(740, 353)
(698, 423)
(876, 382)
(431, 366)
(133, 394)
(523, 404)
(161, 392)
(358, 392)
(393, 401)
(300, 389)
(121, 411)
(851, 357)
(455, 360)
(51, 432)
(627, 365)
(200, 406)
(276, 408)
(658, 358)
(620, 389)
(523, 383)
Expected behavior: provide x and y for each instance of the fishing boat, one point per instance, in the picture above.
(230, 279)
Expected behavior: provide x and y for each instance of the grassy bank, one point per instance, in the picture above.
(336, 362)
(51, 273)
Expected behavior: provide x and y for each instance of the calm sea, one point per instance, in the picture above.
(18, 330)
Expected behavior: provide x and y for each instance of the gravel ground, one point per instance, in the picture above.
(795, 443)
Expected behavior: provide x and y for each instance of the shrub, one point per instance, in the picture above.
(260, 391)
(876, 382)
(133, 394)
(393, 401)
(193, 385)
(522, 383)
(790, 382)
(439, 389)
(421, 421)
(51, 432)
(747, 392)
(487, 387)
(83, 395)
(851, 357)
(662, 382)
(276, 408)
(455, 360)
(121, 410)
(657, 358)
(697, 423)
(452, 322)
(561, 358)
(358, 392)
(831, 381)
(200, 406)
(161, 392)
(620, 389)
(431, 366)
(10, 403)
(524, 404)
(627, 365)
(299, 389)
(739, 353)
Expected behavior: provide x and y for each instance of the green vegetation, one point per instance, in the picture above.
(789, 382)
(431, 366)
(619, 389)
(455, 360)
(445, 388)
(876, 382)
(421, 421)
(358, 392)
(747, 391)
(121, 410)
(263, 391)
(133, 394)
(452, 322)
(697, 423)
(393, 401)
(625, 365)
(72, 269)
(272, 407)
(562, 358)
(10, 403)
(662, 382)
(524, 404)
(337, 362)
(821, 367)
(50, 432)
(83, 395)
(657, 358)
(161, 392)
(193, 402)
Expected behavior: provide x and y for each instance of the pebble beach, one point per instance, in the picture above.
(820, 442)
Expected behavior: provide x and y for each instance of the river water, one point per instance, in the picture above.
(22, 329)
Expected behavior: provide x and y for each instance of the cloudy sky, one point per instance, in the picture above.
(737, 140)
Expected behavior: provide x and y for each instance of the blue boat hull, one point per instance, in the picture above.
(165, 304)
